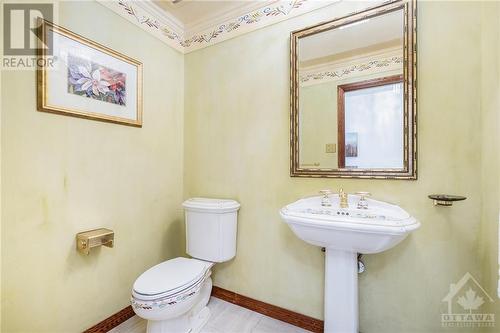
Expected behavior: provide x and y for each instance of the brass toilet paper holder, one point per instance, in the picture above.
(94, 238)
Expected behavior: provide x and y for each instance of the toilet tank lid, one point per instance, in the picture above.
(211, 205)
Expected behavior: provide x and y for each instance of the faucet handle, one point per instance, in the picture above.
(363, 203)
(325, 200)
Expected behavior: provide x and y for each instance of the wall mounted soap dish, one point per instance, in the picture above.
(445, 199)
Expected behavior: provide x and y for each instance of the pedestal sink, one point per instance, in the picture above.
(345, 232)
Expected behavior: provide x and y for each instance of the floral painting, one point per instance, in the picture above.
(89, 79)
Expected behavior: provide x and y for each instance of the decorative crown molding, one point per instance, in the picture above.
(243, 9)
(171, 31)
(164, 16)
(140, 15)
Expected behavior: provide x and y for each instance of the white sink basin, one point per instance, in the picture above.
(345, 232)
(371, 230)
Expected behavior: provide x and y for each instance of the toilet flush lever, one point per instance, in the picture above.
(94, 238)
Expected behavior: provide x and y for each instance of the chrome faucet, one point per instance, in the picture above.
(343, 199)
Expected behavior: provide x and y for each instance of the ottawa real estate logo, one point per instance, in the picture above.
(465, 302)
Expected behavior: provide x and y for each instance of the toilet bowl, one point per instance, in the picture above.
(173, 295)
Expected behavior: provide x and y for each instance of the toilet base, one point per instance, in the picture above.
(200, 320)
(190, 322)
(187, 323)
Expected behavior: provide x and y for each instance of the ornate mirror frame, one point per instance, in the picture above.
(409, 170)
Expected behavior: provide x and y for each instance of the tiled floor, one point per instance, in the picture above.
(225, 318)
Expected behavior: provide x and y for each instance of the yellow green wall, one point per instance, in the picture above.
(318, 124)
(216, 124)
(236, 146)
(490, 119)
(62, 175)
(1, 163)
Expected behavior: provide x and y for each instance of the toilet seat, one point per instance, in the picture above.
(171, 279)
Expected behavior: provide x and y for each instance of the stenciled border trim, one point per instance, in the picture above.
(340, 73)
(139, 15)
(136, 14)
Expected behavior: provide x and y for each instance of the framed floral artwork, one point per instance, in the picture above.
(88, 80)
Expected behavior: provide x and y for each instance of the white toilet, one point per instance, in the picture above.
(173, 295)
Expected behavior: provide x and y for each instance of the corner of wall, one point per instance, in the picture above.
(1, 174)
(1, 99)
(490, 140)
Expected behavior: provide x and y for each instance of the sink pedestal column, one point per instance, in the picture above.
(341, 291)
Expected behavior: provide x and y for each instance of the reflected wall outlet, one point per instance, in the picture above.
(331, 147)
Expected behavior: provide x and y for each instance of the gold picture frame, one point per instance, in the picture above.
(92, 90)
(409, 171)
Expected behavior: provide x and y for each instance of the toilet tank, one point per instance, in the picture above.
(211, 228)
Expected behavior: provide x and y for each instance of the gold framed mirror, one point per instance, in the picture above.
(353, 95)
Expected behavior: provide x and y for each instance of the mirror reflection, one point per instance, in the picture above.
(351, 95)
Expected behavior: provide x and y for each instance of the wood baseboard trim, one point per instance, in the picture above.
(112, 321)
(273, 311)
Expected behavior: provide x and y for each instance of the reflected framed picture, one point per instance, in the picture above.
(87, 80)
(351, 144)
